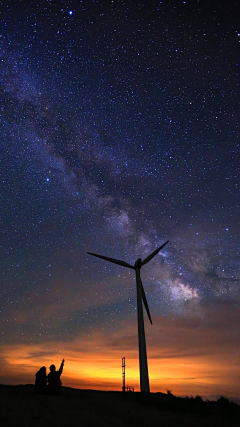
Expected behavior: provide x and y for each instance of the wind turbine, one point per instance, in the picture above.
(143, 366)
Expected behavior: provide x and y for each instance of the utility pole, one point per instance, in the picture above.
(123, 374)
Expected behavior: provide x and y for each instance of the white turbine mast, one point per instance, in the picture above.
(143, 365)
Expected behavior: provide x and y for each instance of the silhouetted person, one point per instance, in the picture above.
(41, 381)
(54, 382)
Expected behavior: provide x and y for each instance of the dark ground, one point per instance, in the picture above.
(20, 407)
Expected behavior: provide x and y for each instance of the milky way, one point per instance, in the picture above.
(119, 130)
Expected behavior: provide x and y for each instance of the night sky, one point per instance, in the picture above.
(119, 131)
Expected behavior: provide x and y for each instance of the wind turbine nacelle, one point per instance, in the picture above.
(138, 264)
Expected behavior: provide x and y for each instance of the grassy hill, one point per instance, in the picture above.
(20, 407)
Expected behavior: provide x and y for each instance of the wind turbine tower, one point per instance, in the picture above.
(143, 365)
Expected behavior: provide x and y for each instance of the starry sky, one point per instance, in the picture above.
(119, 131)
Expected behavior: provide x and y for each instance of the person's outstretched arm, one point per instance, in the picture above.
(61, 367)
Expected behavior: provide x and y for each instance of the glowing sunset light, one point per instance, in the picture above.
(90, 364)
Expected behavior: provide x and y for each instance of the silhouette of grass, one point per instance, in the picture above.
(21, 407)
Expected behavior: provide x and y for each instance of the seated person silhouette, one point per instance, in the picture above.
(41, 381)
(54, 382)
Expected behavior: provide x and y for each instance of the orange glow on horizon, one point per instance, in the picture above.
(184, 376)
(188, 355)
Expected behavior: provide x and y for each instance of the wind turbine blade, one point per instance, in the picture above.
(145, 302)
(115, 261)
(146, 260)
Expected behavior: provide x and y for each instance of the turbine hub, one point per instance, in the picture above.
(138, 263)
